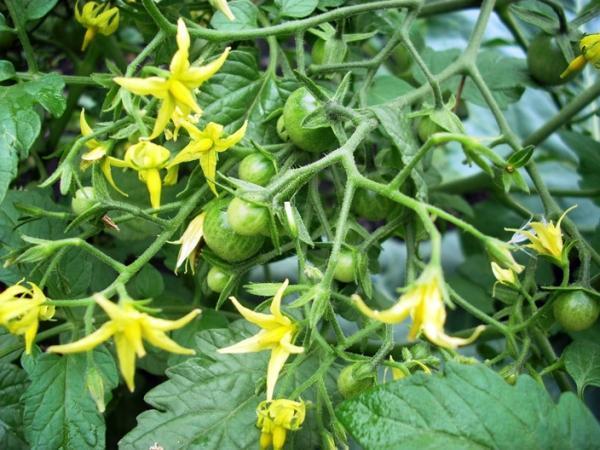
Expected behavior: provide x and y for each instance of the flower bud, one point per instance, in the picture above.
(221, 5)
(95, 386)
(499, 252)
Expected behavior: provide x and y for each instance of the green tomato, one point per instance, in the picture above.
(351, 382)
(370, 205)
(221, 239)
(247, 219)
(427, 128)
(83, 200)
(576, 311)
(345, 267)
(546, 61)
(217, 279)
(315, 140)
(256, 168)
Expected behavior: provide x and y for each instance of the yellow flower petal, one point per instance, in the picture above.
(396, 314)
(278, 358)
(262, 320)
(228, 142)
(154, 184)
(86, 130)
(195, 76)
(126, 356)
(161, 340)
(164, 115)
(276, 303)
(168, 325)
(208, 163)
(155, 86)
(184, 96)
(86, 343)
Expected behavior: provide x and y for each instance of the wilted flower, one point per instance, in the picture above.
(189, 242)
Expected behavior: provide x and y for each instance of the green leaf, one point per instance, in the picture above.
(7, 70)
(13, 382)
(72, 275)
(385, 88)
(507, 85)
(539, 15)
(296, 8)
(469, 407)
(588, 154)
(239, 92)
(147, 283)
(58, 410)
(399, 130)
(210, 402)
(245, 12)
(12, 227)
(36, 9)
(582, 361)
(20, 122)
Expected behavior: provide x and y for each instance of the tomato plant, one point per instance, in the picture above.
(290, 224)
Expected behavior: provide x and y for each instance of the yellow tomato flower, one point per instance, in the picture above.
(590, 52)
(148, 159)
(129, 328)
(505, 276)
(97, 18)
(277, 334)
(276, 418)
(189, 243)
(424, 302)
(221, 5)
(21, 309)
(97, 153)
(176, 90)
(545, 238)
(205, 146)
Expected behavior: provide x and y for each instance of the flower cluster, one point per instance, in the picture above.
(175, 91)
(277, 334)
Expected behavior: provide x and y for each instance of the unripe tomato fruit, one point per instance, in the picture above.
(300, 104)
(83, 200)
(318, 52)
(345, 267)
(427, 128)
(370, 205)
(256, 168)
(217, 279)
(576, 311)
(247, 219)
(349, 385)
(221, 239)
(546, 61)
